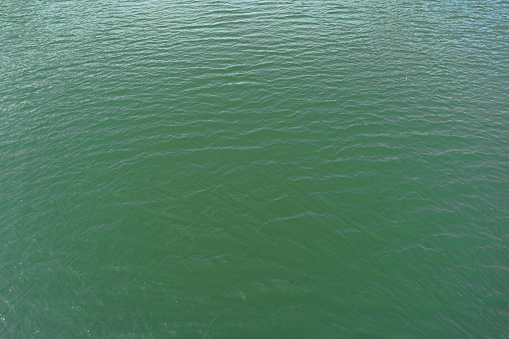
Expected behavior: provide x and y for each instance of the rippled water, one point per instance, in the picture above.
(254, 169)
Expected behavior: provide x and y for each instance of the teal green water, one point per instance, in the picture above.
(271, 169)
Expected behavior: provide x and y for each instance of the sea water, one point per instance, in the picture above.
(268, 169)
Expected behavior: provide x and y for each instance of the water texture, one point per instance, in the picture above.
(232, 169)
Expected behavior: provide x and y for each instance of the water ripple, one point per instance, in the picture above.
(220, 168)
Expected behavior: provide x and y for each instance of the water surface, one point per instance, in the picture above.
(254, 169)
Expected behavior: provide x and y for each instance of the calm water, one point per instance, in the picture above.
(280, 169)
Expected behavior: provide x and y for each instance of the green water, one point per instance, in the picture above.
(241, 169)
